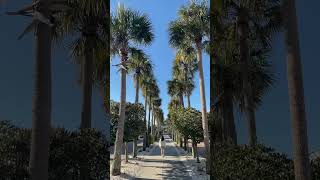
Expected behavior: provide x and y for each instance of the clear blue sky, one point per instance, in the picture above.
(162, 55)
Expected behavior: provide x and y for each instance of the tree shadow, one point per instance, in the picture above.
(177, 171)
(122, 176)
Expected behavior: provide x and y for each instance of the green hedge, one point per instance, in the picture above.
(258, 163)
(245, 163)
(68, 151)
(315, 167)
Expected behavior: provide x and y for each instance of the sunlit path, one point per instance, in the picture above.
(152, 166)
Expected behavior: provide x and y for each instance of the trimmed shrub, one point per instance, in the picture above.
(246, 163)
(68, 152)
(315, 168)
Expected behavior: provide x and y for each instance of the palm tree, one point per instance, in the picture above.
(158, 120)
(128, 28)
(260, 22)
(41, 123)
(184, 68)
(153, 94)
(296, 94)
(87, 18)
(146, 83)
(192, 28)
(156, 107)
(46, 25)
(176, 88)
(229, 79)
(139, 65)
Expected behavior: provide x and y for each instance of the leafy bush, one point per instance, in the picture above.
(14, 151)
(315, 168)
(189, 123)
(68, 152)
(134, 121)
(245, 163)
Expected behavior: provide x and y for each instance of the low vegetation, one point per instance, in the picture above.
(69, 150)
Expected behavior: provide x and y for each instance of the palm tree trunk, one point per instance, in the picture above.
(107, 92)
(107, 82)
(149, 128)
(216, 81)
(185, 141)
(194, 149)
(247, 89)
(135, 148)
(86, 98)
(152, 118)
(181, 100)
(154, 126)
(145, 127)
(188, 99)
(203, 106)
(87, 87)
(126, 152)
(41, 110)
(116, 166)
(173, 135)
(296, 94)
(231, 136)
(137, 90)
(149, 117)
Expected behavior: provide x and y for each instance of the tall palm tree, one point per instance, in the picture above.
(230, 79)
(296, 94)
(192, 28)
(44, 23)
(128, 28)
(146, 83)
(41, 110)
(139, 65)
(87, 19)
(159, 120)
(176, 88)
(261, 22)
(156, 108)
(153, 93)
(184, 68)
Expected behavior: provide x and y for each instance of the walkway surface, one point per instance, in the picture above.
(151, 166)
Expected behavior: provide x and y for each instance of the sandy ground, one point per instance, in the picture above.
(177, 164)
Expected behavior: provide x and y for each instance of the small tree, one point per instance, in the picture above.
(189, 123)
(133, 127)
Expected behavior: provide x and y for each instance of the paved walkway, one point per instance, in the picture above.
(152, 166)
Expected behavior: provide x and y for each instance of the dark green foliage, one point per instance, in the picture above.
(211, 119)
(189, 123)
(315, 168)
(14, 151)
(133, 124)
(68, 150)
(245, 163)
